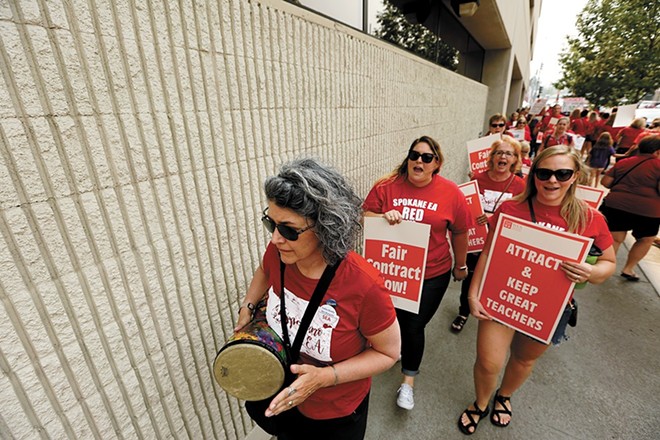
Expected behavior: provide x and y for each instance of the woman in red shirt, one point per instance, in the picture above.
(625, 139)
(414, 191)
(314, 217)
(559, 136)
(550, 192)
(497, 184)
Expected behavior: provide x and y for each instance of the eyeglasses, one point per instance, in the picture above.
(426, 157)
(285, 231)
(498, 125)
(562, 175)
(503, 153)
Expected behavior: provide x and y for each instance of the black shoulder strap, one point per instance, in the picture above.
(293, 352)
(627, 172)
(531, 210)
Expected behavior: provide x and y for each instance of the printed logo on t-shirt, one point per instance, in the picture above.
(551, 226)
(489, 198)
(413, 209)
(319, 334)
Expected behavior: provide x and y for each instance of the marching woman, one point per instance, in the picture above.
(497, 184)
(549, 199)
(314, 216)
(559, 136)
(414, 191)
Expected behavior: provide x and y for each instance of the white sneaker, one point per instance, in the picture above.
(405, 397)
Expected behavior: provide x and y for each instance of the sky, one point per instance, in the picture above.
(557, 20)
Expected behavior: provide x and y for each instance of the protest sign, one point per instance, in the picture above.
(476, 234)
(523, 285)
(478, 150)
(538, 106)
(399, 253)
(579, 141)
(570, 104)
(518, 134)
(592, 196)
(624, 115)
(525, 170)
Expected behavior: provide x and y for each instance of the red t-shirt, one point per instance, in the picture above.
(490, 190)
(440, 204)
(356, 305)
(550, 217)
(643, 134)
(545, 122)
(551, 140)
(579, 126)
(627, 136)
(637, 192)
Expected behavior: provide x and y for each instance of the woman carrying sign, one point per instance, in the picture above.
(314, 216)
(549, 200)
(414, 191)
(497, 184)
(559, 136)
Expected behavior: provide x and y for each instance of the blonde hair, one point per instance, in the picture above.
(516, 148)
(638, 123)
(576, 212)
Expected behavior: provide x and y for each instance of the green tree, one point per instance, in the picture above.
(415, 37)
(616, 57)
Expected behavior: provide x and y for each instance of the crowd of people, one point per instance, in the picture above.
(315, 216)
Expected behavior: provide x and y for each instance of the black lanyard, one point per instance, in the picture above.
(531, 210)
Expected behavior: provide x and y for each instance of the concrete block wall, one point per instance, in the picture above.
(134, 140)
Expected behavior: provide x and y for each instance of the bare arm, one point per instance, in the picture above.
(596, 273)
(606, 181)
(255, 292)
(459, 243)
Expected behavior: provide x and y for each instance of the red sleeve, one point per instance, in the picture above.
(374, 200)
(377, 312)
(462, 218)
(599, 231)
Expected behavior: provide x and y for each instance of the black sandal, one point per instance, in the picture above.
(465, 429)
(497, 412)
(458, 324)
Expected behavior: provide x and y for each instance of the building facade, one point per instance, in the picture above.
(135, 138)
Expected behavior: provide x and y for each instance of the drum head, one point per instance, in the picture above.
(248, 371)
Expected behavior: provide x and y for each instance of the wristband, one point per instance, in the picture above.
(461, 268)
(334, 370)
(248, 306)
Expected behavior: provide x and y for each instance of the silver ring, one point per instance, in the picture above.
(290, 402)
(292, 390)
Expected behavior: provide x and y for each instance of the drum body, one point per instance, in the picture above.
(250, 366)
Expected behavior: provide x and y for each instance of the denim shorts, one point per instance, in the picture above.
(560, 332)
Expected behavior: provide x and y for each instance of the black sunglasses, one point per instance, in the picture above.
(426, 157)
(285, 231)
(562, 175)
(497, 125)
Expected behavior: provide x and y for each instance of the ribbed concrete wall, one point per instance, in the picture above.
(134, 139)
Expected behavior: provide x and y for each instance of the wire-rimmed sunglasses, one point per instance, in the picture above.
(562, 175)
(285, 231)
(426, 157)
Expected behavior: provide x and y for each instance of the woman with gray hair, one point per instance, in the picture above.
(314, 216)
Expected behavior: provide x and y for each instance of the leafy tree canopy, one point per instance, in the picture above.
(415, 37)
(615, 57)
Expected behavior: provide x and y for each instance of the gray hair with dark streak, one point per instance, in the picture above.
(323, 196)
